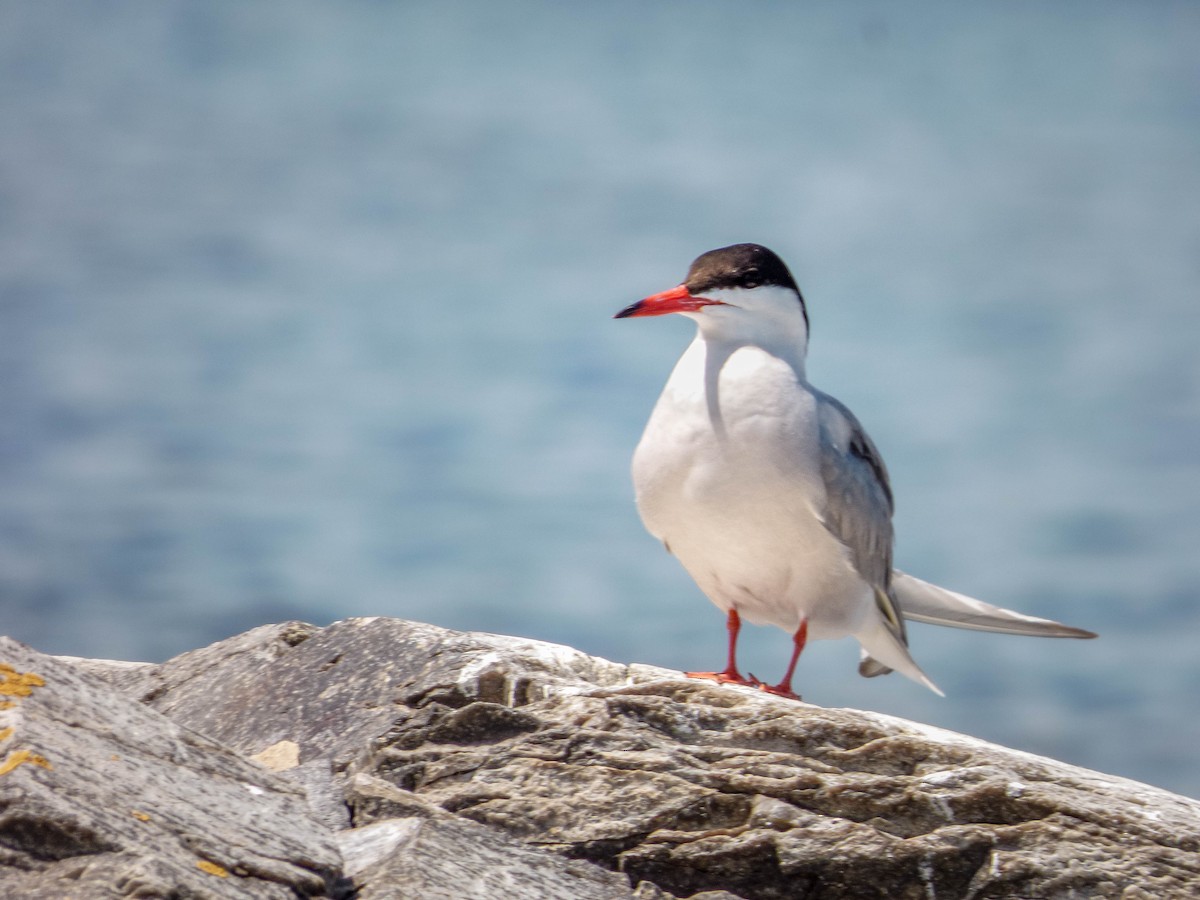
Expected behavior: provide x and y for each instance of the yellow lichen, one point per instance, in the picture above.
(139, 815)
(17, 757)
(5, 734)
(211, 868)
(18, 684)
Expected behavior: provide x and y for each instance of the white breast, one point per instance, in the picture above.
(727, 474)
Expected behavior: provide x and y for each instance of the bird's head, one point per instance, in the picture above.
(742, 292)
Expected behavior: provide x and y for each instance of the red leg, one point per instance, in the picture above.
(731, 675)
(784, 688)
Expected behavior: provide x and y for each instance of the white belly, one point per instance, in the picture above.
(728, 475)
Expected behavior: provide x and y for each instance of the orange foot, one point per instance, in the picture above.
(779, 690)
(727, 677)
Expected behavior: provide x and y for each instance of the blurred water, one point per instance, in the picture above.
(304, 313)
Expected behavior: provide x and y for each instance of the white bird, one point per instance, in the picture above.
(770, 493)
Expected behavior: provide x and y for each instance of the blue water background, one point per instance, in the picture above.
(305, 312)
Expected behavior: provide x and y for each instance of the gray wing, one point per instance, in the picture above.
(858, 507)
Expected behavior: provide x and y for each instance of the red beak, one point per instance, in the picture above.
(677, 299)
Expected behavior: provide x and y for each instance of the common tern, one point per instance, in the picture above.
(769, 491)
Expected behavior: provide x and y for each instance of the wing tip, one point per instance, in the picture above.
(869, 667)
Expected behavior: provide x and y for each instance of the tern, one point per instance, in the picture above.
(769, 491)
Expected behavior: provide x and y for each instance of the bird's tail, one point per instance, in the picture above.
(885, 647)
(921, 601)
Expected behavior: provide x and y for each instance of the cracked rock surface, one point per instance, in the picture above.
(438, 763)
(102, 797)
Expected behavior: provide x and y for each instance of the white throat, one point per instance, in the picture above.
(770, 318)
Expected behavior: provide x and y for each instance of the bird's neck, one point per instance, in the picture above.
(788, 344)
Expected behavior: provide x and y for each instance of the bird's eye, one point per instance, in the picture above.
(751, 278)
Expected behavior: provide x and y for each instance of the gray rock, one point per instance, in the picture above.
(457, 858)
(453, 858)
(684, 787)
(477, 765)
(696, 787)
(102, 797)
(334, 691)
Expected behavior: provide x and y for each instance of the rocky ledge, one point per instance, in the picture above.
(378, 758)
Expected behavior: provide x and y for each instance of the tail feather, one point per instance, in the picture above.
(921, 601)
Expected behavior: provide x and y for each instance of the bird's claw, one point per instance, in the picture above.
(726, 677)
(750, 680)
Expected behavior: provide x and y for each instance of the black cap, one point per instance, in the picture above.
(740, 266)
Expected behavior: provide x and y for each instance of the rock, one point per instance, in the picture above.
(102, 797)
(420, 850)
(456, 859)
(498, 761)
(335, 691)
